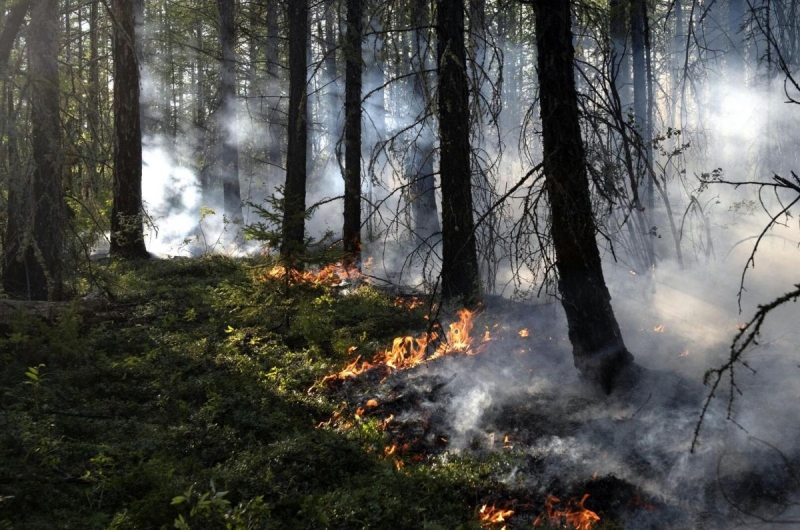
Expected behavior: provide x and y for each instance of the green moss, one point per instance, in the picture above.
(203, 375)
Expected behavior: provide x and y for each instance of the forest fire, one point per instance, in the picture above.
(331, 275)
(492, 516)
(408, 352)
(576, 515)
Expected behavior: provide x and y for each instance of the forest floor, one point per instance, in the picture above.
(216, 393)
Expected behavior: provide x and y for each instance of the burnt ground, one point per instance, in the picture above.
(522, 401)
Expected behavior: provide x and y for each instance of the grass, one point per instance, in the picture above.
(190, 409)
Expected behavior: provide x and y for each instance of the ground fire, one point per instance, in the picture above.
(331, 275)
(492, 516)
(408, 352)
(575, 514)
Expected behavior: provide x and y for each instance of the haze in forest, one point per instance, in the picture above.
(687, 112)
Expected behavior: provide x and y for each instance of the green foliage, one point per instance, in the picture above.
(191, 410)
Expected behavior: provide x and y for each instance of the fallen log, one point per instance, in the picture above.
(92, 308)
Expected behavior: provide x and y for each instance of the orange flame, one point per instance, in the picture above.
(659, 328)
(524, 332)
(490, 515)
(575, 514)
(408, 352)
(330, 275)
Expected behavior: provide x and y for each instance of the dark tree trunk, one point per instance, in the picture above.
(276, 122)
(460, 278)
(295, 187)
(638, 17)
(420, 166)
(14, 19)
(352, 129)
(736, 36)
(229, 159)
(334, 102)
(598, 349)
(127, 231)
(33, 256)
(620, 55)
(138, 21)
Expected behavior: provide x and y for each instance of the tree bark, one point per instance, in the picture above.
(598, 349)
(460, 278)
(271, 55)
(420, 167)
(619, 52)
(229, 159)
(35, 236)
(127, 231)
(295, 188)
(352, 130)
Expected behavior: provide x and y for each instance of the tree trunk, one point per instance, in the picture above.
(619, 52)
(420, 167)
(460, 278)
(276, 123)
(35, 237)
(638, 17)
(598, 349)
(352, 129)
(127, 232)
(295, 189)
(736, 36)
(229, 159)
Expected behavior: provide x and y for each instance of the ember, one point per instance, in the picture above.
(524, 333)
(491, 516)
(575, 514)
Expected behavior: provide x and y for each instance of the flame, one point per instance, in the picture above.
(490, 515)
(684, 354)
(408, 352)
(575, 515)
(458, 338)
(659, 328)
(507, 443)
(409, 303)
(524, 333)
(331, 275)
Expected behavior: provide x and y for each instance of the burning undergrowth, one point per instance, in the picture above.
(493, 386)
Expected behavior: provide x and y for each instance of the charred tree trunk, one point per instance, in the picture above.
(35, 237)
(598, 349)
(229, 158)
(352, 129)
(294, 211)
(460, 278)
(127, 231)
(420, 167)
